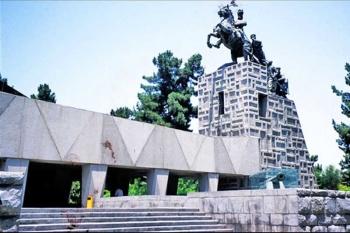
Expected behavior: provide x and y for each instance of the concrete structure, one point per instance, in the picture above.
(235, 102)
(150, 219)
(287, 210)
(34, 131)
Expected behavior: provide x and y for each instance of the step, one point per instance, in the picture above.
(151, 209)
(23, 221)
(184, 228)
(106, 214)
(201, 230)
(65, 226)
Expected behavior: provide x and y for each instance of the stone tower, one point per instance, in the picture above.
(235, 101)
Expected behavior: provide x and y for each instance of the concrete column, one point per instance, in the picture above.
(93, 181)
(18, 165)
(208, 182)
(157, 181)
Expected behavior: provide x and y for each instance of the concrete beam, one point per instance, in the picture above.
(93, 181)
(157, 181)
(208, 182)
(18, 165)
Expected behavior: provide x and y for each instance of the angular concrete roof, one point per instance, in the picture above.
(48, 132)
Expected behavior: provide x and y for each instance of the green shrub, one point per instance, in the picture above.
(329, 178)
(187, 185)
(74, 194)
(137, 188)
(343, 187)
(106, 193)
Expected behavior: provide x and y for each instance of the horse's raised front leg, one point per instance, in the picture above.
(208, 40)
(217, 45)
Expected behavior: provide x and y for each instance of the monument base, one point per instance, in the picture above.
(235, 101)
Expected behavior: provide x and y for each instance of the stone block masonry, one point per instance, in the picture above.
(11, 192)
(252, 210)
(282, 210)
(235, 101)
(321, 211)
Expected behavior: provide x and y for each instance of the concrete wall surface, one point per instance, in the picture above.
(288, 210)
(144, 202)
(11, 192)
(42, 131)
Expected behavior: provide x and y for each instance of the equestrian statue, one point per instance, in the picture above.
(230, 33)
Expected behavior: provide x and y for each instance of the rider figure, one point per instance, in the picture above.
(239, 24)
(258, 52)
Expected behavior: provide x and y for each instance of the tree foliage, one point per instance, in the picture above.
(344, 129)
(75, 194)
(106, 193)
(316, 168)
(343, 187)
(166, 97)
(330, 178)
(138, 187)
(123, 112)
(187, 185)
(3, 80)
(45, 94)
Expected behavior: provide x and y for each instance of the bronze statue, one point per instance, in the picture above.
(231, 34)
(277, 84)
(257, 51)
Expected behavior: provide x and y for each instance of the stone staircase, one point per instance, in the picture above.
(118, 220)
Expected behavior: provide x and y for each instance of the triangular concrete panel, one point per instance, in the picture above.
(64, 123)
(190, 144)
(152, 154)
(205, 159)
(113, 148)
(5, 100)
(246, 153)
(135, 135)
(36, 139)
(174, 157)
(233, 151)
(223, 162)
(11, 127)
(87, 147)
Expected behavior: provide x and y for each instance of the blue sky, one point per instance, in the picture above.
(94, 54)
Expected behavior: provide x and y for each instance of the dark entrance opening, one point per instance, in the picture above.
(2, 164)
(233, 183)
(126, 182)
(49, 185)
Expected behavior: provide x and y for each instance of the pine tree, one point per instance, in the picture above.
(344, 129)
(3, 80)
(45, 94)
(329, 178)
(166, 98)
(123, 112)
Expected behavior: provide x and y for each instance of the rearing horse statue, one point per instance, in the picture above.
(231, 34)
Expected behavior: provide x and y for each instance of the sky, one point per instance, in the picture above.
(93, 54)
